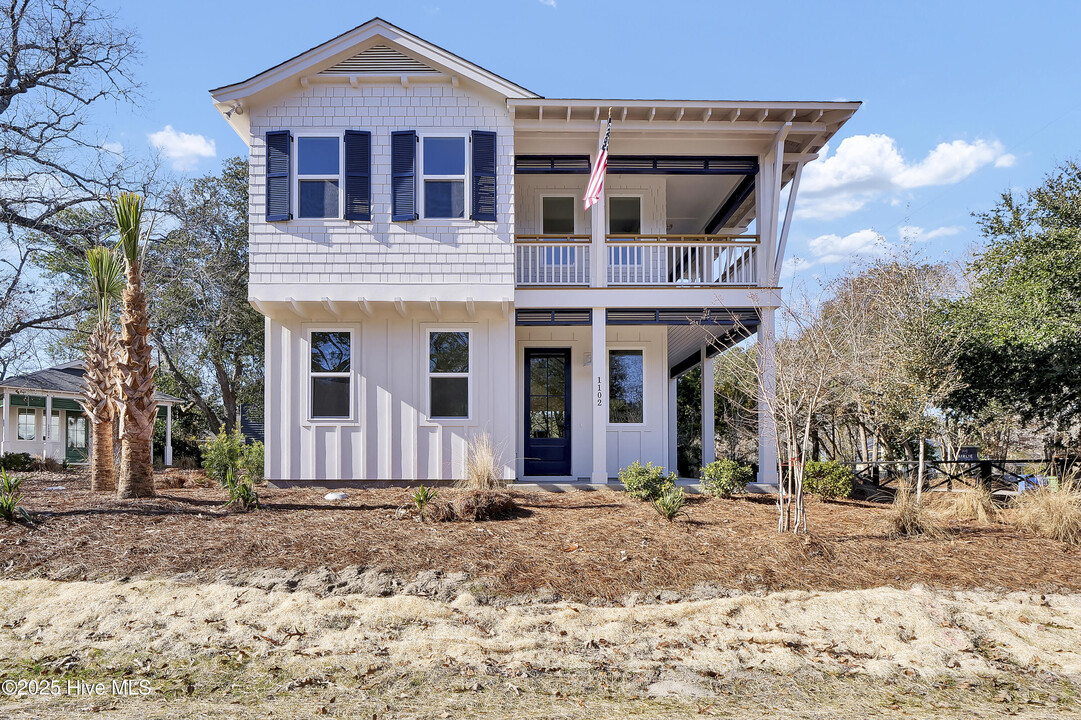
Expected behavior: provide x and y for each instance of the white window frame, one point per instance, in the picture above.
(422, 179)
(574, 208)
(641, 211)
(428, 375)
(608, 358)
(24, 412)
(55, 426)
(351, 375)
(297, 177)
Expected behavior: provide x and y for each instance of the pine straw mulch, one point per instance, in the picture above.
(580, 545)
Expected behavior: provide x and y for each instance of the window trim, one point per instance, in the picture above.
(296, 179)
(23, 412)
(641, 211)
(465, 177)
(608, 356)
(574, 208)
(351, 375)
(428, 374)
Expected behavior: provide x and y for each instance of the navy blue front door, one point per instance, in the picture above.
(547, 411)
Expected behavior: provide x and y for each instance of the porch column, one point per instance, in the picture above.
(709, 433)
(598, 250)
(673, 426)
(599, 394)
(4, 423)
(767, 378)
(168, 435)
(48, 425)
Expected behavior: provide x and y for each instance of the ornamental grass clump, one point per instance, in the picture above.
(10, 497)
(670, 504)
(242, 493)
(422, 498)
(482, 470)
(973, 503)
(725, 478)
(1051, 513)
(646, 482)
(906, 517)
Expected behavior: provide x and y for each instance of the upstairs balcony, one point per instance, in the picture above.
(632, 260)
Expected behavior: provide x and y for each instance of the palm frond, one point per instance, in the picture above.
(128, 210)
(106, 271)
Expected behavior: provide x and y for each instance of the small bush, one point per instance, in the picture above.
(725, 478)
(422, 497)
(10, 497)
(242, 494)
(482, 471)
(646, 482)
(17, 462)
(48, 464)
(969, 504)
(670, 504)
(828, 480)
(1051, 513)
(227, 452)
(907, 518)
(474, 505)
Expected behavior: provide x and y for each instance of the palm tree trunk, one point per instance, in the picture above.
(138, 407)
(101, 468)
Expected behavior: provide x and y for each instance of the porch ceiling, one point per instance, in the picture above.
(687, 341)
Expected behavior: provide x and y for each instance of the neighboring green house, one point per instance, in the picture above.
(56, 393)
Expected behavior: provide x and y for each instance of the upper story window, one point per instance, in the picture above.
(625, 215)
(318, 177)
(331, 374)
(448, 374)
(443, 166)
(27, 424)
(557, 215)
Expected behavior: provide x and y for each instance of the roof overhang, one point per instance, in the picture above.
(233, 100)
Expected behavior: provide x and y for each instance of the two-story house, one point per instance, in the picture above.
(420, 250)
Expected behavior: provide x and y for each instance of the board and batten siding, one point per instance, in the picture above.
(313, 253)
(389, 436)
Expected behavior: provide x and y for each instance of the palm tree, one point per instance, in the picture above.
(136, 371)
(106, 270)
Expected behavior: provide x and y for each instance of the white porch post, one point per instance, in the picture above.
(673, 429)
(600, 397)
(709, 434)
(598, 250)
(4, 423)
(767, 433)
(48, 426)
(168, 435)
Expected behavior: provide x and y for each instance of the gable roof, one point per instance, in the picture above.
(66, 379)
(347, 47)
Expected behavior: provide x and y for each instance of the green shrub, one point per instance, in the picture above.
(242, 494)
(725, 478)
(828, 480)
(10, 497)
(17, 462)
(422, 496)
(670, 504)
(646, 482)
(227, 452)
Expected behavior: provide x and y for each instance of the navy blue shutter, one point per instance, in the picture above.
(483, 175)
(403, 175)
(358, 175)
(278, 146)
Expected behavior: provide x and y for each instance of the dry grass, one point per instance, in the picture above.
(974, 504)
(482, 471)
(473, 505)
(1054, 514)
(578, 545)
(907, 518)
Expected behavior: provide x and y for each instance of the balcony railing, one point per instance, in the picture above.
(642, 260)
(709, 260)
(551, 259)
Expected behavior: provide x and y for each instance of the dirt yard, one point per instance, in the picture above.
(580, 605)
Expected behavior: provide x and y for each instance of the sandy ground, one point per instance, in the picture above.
(239, 650)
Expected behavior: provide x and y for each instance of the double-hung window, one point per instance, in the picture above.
(331, 374)
(443, 164)
(448, 374)
(318, 177)
(27, 429)
(625, 386)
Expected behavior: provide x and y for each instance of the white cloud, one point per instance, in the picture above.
(868, 167)
(918, 234)
(832, 248)
(549, 3)
(113, 147)
(183, 149)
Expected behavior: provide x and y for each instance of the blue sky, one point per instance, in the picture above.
(962, 100)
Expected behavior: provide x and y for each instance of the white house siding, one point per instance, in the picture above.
(302, 258)
(389, 436)
(529, 189)
(647, 442)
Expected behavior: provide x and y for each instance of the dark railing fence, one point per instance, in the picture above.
(995, 475)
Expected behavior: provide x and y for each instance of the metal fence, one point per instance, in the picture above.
(995, 475)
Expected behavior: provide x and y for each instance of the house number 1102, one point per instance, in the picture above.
(600, 391)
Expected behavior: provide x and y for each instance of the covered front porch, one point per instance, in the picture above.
(597, 388)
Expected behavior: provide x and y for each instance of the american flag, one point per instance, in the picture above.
(595, 186)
